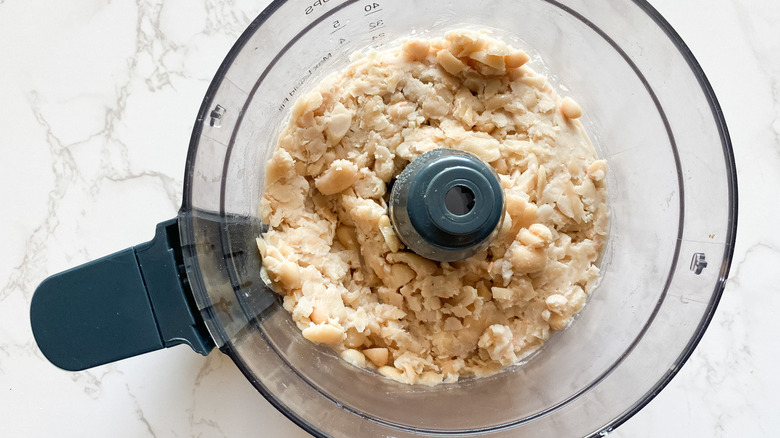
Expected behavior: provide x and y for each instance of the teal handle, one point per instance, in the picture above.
(129, 303)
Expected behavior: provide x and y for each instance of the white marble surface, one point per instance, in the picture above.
(97, 101)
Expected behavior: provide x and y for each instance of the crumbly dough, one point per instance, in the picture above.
(332, 253)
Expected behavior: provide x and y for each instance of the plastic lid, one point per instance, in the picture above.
(447, 205)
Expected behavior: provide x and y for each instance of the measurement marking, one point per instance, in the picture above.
(338, 29)
(373, 12)
(377, 28)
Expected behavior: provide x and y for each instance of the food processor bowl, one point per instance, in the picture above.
(672, 195)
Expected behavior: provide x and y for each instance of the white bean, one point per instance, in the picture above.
(324, 334)
(516, 60)
(570, 108)
(354, 357)
(417, 49)
(449, 62)
(340, 175)
(377, 356)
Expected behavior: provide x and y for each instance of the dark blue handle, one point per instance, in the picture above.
(122, 305)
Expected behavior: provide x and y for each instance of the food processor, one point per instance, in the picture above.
(672, 195)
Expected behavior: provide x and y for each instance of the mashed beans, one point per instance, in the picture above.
(331, 251)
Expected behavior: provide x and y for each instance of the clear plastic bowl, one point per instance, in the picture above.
(671, 188)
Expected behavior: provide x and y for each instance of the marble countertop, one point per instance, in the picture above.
(97, 102)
